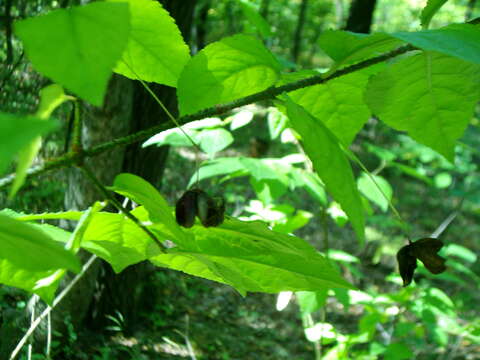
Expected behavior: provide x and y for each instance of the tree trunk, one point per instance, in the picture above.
(125, 292)
(297, 40)
(360, 16)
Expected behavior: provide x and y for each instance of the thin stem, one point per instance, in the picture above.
(47, 311)
(119, 206)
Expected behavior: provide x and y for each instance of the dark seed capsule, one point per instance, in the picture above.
(407, 264)
(203, 205)
(186, 209)
(215, 213)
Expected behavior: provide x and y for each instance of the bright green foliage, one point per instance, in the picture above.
(68, 215)
(16, 132)
(214, 140)
(143, 193)
(458, 40)
(432, 96)
(226, 70)
(398, 351)
(338, 104)
(155, 51)
(118, 240)
(346, 47)
(329, 162)
(77, 47)
(51, 97)
(254, 17)
(311, 301)
(429, 11)
(250, 257)
(370, 188)
(31, 249)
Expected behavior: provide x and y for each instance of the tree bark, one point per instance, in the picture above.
(360, 16)
(297, 40)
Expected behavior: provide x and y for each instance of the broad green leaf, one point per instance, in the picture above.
(31, 249)
(338, 104)
(67, 215)
(346, 47)
(429, 95)
(330, 163)
(253, 16)
(155, 51)
(397, 351)
(16, 132)
(250, 257)
(173, 137)
(311, 301)
(429, 11)
(118, 240)
(51, 97)
(458, 40)
(368, 187)
(216, 167)
(79, 46)
(226, 70)
(214, 140)
(142, 192)
(46, 286)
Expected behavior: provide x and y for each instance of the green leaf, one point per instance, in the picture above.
(330, 163)
(173, 137)
(214, 140)
(155, 51)
(398, 351)
(16, 132)
(26, 247)
(51, 97)
(311, 301)
(77, 47)
(458, 40)
(253, 16)
(250, 257)
(240, 119)
(67, 215)
(118, 240)
(346, 47)
(429, 11)
(311, 183)
(429, 95)
(142, 192)
(226, 70)
(338, 104)
(369, 188)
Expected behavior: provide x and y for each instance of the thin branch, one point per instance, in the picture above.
(71, 158)
(47, 311)
(119, 206)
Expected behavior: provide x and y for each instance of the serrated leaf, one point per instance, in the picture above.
(368, 187)
(79, 46)
(16, 132)
(457, 40)
(142, 192)
(214, 140)
(26, 247)
(250, 257)
(226, 70)
(155, 51)
(429, 11)
(338, 104)
(329, 162)
(429, 95)
(346, 47)
(51, 97)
